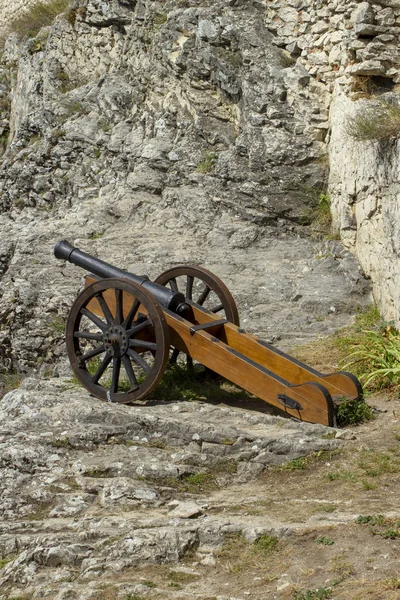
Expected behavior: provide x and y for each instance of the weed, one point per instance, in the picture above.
(97, 152)
(374, 121)
(97, 473)
(207, 163)
(265, 544)
(182, 577)
(8, 382)
(297, 464)
(318, 594)
(34, 46)
(160, 19)
(60, 443)
(133, 597)
(5, 561)
(376, 463)
(150, 584)
(346, 475)
(352, 412)
(95, 235)
(41, 14)
(335, 350)
(327, 508)
(379, 355)
(238, 554)
(58, 323)
(380, 525)
(322, 214)
(324, 540)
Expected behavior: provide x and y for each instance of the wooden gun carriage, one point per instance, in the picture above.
(121, 327)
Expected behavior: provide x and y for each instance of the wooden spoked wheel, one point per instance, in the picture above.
(201, 288)
(117, 340)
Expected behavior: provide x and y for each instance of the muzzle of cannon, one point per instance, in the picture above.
(123, 329)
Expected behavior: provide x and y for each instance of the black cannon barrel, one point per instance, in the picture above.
(174, 301)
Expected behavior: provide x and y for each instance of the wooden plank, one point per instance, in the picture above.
(338, 384)
(315, 402)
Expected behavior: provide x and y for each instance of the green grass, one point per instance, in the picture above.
(380, 525)
(237, 554)
(42, 14)
(324, 540)
(8, 382)
(5, 561)
(318, 594)
(370, 349)
(351, 412)
(377, 357)
(207, 163)
(265, 544)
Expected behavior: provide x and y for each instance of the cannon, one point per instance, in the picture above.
(123, 329)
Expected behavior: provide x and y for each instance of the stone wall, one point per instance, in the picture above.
(352, 50)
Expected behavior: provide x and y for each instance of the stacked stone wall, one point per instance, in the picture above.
(352, 50)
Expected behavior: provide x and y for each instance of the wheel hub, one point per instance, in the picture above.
(115, 341)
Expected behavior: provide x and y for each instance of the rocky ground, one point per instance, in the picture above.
(184, 500)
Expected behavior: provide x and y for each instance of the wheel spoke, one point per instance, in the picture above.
(101, 369)
(88, 336)
(100, 324)
(139, 360)
(217, 308)
(142, 344)
(132, 312)
(115, 375)
(130, 372)
(138, 328)
(118, 305)
(173, 285)
(189, 287)
(203, 296)
(92, 353)
(105, 309)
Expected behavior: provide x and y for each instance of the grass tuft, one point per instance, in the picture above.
(375, 121)
(41, 14)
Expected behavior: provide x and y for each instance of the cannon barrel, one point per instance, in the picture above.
(174, 301)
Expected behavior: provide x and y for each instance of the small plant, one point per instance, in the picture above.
(60, 443)
(182, 577)
(95, 235)
(318, 594)
(324, 540)
(9, 381)
(375, 121)
(5, 561)
(207, 163)
(297, 464)
(380, 525)
(378, 355)
(352, 412)
(58, 323)
(265, 544)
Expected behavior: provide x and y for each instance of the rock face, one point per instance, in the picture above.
(149, 135)
(90, 490)
(352, 48)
